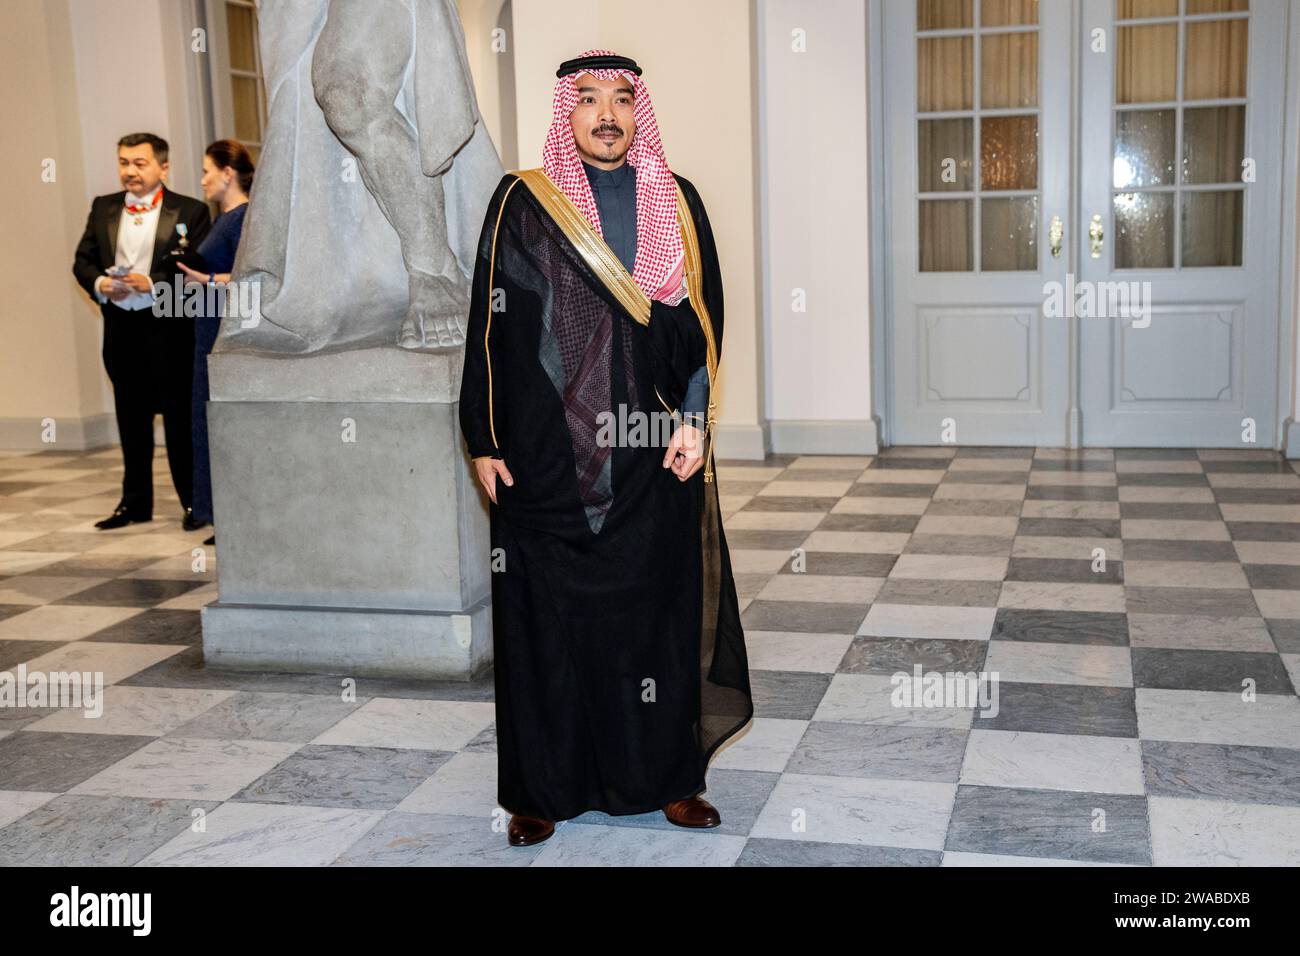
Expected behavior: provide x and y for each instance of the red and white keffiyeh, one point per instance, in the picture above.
(659, 266)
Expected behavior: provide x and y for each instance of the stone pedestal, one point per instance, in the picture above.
(351, 535)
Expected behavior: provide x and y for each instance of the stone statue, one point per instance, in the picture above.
(375, 174)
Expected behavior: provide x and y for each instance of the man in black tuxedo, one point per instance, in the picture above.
(149, 359)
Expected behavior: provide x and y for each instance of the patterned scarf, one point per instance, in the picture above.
(659, 265)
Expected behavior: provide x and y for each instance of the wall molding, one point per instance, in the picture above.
(74, 434)
(820, 437)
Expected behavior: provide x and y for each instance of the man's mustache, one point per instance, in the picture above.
(607, 129)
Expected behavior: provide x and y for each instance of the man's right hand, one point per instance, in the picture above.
(113, 289)
(488, 469)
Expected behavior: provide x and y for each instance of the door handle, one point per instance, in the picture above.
(1096, 236)
(1055, 233)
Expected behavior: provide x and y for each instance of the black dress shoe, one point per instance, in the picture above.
(121, 517)
(191, 523)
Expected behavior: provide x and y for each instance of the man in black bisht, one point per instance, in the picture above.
(597, 301)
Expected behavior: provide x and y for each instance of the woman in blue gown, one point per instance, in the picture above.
(227, 181)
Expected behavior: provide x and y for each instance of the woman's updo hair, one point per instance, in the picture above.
(231, 153)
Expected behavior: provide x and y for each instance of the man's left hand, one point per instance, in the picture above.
(685, 452)
(138, 282)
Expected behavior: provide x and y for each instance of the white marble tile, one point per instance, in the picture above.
(466, 785)
(957, 858)
(1062, 596)
(861, 811)
(1268, 552)
(1097, 510)
(790, 651)
(1089, 479)
(775, 521)
(1160, 530)
(63, 622)
(902, 476)
(806, 489)
(967, 491)
(583, 844)
(36, 589)
(259, 834)
(857, 542)
(1213, 833)
(415, 724)
(872, 699)
(1192, 632)
(949, 567)
(188, 768)
(1277, 604)
(1034, 761)
(1079, 549)
(1003, 526)
(925, 621)
(1184, 574)
(831, 588)
(116, 662)
(1094, 665)
(1166, 494)
(880, 506)
(859, 462)
(18, 803)
(1211, 717)
(767, 746)
(151, 711)
(754, 561)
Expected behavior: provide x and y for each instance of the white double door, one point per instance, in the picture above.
(1082, 221)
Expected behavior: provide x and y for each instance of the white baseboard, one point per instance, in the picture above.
(819, 437)
(70, 433)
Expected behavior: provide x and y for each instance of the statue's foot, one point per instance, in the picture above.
(437, 315)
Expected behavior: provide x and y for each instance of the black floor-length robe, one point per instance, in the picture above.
(620, 659)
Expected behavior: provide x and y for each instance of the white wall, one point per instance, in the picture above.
(78, 75)
(815, 183)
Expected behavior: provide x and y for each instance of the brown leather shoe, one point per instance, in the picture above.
(525, 831)
(692, 812)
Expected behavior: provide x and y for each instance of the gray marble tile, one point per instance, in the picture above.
(958, 544)
(950, 593)
(269, 716)
(74, 830)
(889, 655)
(900, 753)
(810, 616)
(433, 839)
(1069, 527)
(1142, 549)
(765, 852)
(854, 522)
(1203, 602)
(844, 563)
(1050, 824)
(1227, 671)
(1064, 709)
(787, 695)
(55, 762)
(1049, 492)
(1169, 511)
(1064, 570)
(1222, 772)
(1064, 627)
(1279, 577)
(359, 778)
(257, 834)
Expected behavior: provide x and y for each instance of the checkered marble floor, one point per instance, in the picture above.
(1137, 612)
